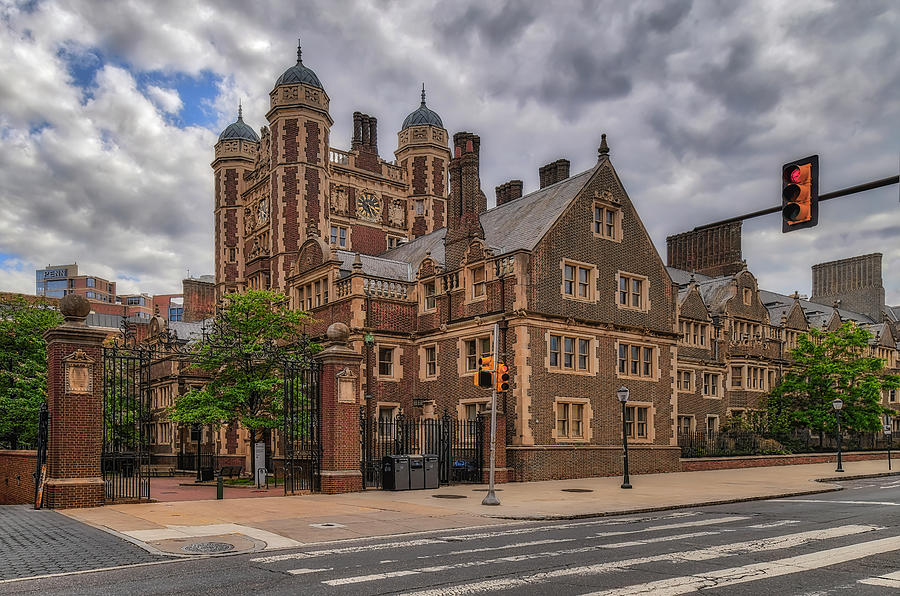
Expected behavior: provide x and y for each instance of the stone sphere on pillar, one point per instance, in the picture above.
(74, 308)
(338, 333)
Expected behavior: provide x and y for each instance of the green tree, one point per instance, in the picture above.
(827, 366)
(23, 365)
(244, 353)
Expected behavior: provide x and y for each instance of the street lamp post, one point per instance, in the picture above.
(622, 394)
(837, 404)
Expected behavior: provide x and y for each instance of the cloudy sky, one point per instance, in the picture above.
(109, 112)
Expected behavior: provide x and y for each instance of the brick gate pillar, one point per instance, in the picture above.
(75, 402)
(501, 472)
(339, 406)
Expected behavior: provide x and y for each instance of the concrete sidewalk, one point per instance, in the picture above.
(267, 523)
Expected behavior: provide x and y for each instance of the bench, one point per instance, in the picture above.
(158, 470)
(231, 471)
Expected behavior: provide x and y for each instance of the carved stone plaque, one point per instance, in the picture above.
(79, 373)
(346, 387)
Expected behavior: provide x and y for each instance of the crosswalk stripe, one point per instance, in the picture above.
(305, 571)
(703, 554)
(835, 502)
(466, 538)
(487, 549)
(690, 524)
(757, 571)
(775, 524)
(890, 580)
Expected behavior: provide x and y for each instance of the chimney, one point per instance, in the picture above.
(509, 191)
(365, 130)
(466, 202)
(856, 282)
(357, 131)
(373, 134)
(709, 251)
(554, 172)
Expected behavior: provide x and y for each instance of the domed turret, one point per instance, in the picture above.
(239, 130)
(422, 116)
(299, 74)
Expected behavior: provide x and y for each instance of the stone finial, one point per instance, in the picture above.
(338, 333)
(75, 308)
(604, 148)
(299, 52)
(357, 263)
(423, 94)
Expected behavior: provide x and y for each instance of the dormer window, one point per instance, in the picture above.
(478, 282)
(428, 290)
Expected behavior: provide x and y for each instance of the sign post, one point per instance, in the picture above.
(491, 497)
(889, 433)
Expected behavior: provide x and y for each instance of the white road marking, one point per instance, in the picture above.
(657, 539)
(691, 524)
(757, 571)
(890, 580)
(467, 537)
(271, 539)
(305, 570)
(775, 524)
(485, 549)
(703, 554)
(835, 502)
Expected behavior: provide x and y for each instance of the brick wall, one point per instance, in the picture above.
(16, 477)
(757, 461)
(712, 251)
(528, 464)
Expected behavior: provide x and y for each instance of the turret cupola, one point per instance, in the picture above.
(239, 130)
(299, 73)
(422, 116)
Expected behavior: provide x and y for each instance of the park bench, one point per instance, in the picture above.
(231, 471)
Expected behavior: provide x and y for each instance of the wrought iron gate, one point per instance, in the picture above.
(457, 443)
(125, 460)
(301, 435)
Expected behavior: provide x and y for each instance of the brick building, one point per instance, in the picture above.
(408, 255)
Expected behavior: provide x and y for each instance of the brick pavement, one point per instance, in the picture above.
(42, 542)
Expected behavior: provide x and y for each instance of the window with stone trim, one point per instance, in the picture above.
(632, 291)
(395, 241)
(477, 348)
(431, 361)
(386, 361)
(569, 353)
(711, 384)
(684, 380)
(737, 377)
(313, 294)
(429, 291)
(637, 421)
(340, 236)
(712, 424)
(635, 360)
(693, 333)
(578, 281)
(606, 222)
(478, 282)
(569, 420)
(232, 255)
(685, 424)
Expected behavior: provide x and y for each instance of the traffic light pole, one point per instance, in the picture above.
(491, 497)
(823, 197)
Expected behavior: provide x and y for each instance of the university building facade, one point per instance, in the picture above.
(407, 254)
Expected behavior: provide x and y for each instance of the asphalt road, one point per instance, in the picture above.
(846, 542)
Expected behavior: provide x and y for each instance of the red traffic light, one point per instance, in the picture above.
(800, 194)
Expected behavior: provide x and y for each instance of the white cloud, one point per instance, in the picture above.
(167, 100)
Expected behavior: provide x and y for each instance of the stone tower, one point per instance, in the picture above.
(854, 284)
(300, 124)
(235, 154)
(422, 152)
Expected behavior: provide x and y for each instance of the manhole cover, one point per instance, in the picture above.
(208, 547)
(449, 496)
(577, 490)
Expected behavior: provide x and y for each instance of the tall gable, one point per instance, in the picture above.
(692, 305)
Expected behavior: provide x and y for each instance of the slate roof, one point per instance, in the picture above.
(239, 130)
(818, 315)
(375, 266)
(682, 277)
(519, 224)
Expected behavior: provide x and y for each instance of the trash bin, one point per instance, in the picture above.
(207, 474)
(432, 475)
(416, 472)
(395, 472)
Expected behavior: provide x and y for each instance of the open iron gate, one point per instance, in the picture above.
(301, 435)
(457, 443)
(125, 459)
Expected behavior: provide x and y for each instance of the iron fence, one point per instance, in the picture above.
(745, 442)
(187, 460)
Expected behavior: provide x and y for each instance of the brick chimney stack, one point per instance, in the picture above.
(509, 191)
(710, 251)
(467, 201)
(554, 172)
(365, 142)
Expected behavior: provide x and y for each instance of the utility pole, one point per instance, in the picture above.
(491, 497)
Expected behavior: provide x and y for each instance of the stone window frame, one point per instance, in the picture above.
(747, 296)
(605, 208)
(715, 379)
(308, 298)
(334, 236)
(396, 373)
(650, 428)
(423, 303)
(481, 404)
(692, 423)
(592, 366)
(587, 415)
(425, 362)
(693, 333)
(397, 241)
(644, 294)
(715, 426)
(463, 350)
(654, 359)
(474, 285)
(891, 395)
(232, 254)
(692, 380)
(380, 426)
(578, 266)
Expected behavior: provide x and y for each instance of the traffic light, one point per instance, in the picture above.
(484, 378)
(502, 378)
(800, 194)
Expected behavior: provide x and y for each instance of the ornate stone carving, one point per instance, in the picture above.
(397, 213)
(339, 202)
(79, 373)
(290, 93)
(311, 95)
(419, 134)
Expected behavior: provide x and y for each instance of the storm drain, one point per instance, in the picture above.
(449, 496)
(577, 490)
(206, 548)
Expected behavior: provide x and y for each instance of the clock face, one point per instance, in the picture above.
(368, 206)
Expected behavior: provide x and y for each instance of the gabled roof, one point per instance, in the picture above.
(375, 266)
(818, 315)
(682, 277)
(519, 224)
